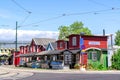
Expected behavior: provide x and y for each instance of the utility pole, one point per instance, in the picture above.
(111, 35)
(16, 37)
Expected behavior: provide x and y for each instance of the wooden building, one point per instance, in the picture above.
(27, 53)
(79, 49)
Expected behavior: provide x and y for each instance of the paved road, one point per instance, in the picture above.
(12, 73)
(74, 76)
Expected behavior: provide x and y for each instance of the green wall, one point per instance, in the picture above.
(101, 58)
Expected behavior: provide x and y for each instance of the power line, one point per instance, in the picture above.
(70, 14)
(93, 12)
(53, 18)
(24, 20)
(4, 25)
(29, 12)
(101, 4)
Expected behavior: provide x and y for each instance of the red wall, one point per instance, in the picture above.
(60, 42)
(90, 41)
(16, 59)
(87, 40)
(70, 42)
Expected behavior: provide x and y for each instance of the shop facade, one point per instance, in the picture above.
(79, 49)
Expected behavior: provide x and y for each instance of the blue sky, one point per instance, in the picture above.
(47, 9)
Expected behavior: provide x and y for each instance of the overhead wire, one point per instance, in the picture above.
(29, 12)
(21, 6)
(24, 20)
(101, 4)
(48, 19)
(70, 14)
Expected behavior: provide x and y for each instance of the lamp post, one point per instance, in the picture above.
(14, 54)
(16, 37)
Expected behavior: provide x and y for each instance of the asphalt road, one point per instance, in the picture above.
(72, 76)
(13, 73)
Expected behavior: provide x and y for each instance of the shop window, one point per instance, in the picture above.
(94, 56)
(74, 41)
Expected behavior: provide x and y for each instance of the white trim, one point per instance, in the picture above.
(52, 46)
(93, 48)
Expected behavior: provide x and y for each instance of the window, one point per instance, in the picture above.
(65, 45)
(94, 56)
(74, 41)
(36, 47)
(61, 44)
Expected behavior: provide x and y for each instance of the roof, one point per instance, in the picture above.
(54, 45)
(87, 35)
(75, 51)
(50, 52)
(43, 41)
(27, 55)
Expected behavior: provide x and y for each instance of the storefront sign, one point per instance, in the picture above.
(94, 43)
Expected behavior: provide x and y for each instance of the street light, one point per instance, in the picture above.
(16, 37)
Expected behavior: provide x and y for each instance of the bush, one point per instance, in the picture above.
(96, 66)
(116, 60)
(77, 66)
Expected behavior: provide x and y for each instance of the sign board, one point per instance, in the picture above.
(94, 43)
(81, 41)
(82, 47)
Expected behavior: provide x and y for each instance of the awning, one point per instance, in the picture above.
(27, 55)
(75, 51)
(51, 52)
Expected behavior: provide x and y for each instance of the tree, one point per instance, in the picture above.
(75, 28)
(116, 60)
(117, 38)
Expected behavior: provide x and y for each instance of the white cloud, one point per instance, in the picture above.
(26, 35)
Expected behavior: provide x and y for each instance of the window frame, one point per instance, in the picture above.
(94, 56)
(74, 41)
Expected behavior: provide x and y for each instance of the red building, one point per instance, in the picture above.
(79, 49)
(27, 53)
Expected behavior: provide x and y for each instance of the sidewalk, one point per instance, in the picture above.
(3, 72)
(12, 67)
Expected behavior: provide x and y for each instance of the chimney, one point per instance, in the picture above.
(103, 32)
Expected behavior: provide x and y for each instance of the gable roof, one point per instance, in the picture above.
(52, 46)
(43, 41)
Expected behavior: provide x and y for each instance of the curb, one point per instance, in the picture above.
(4, 73)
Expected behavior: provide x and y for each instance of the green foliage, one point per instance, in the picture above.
(77, 66)
(117, 38)
(75, 28)
(96, 66)
(63, 32)
(116, 60)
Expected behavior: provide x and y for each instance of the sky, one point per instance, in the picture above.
(42, 18)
